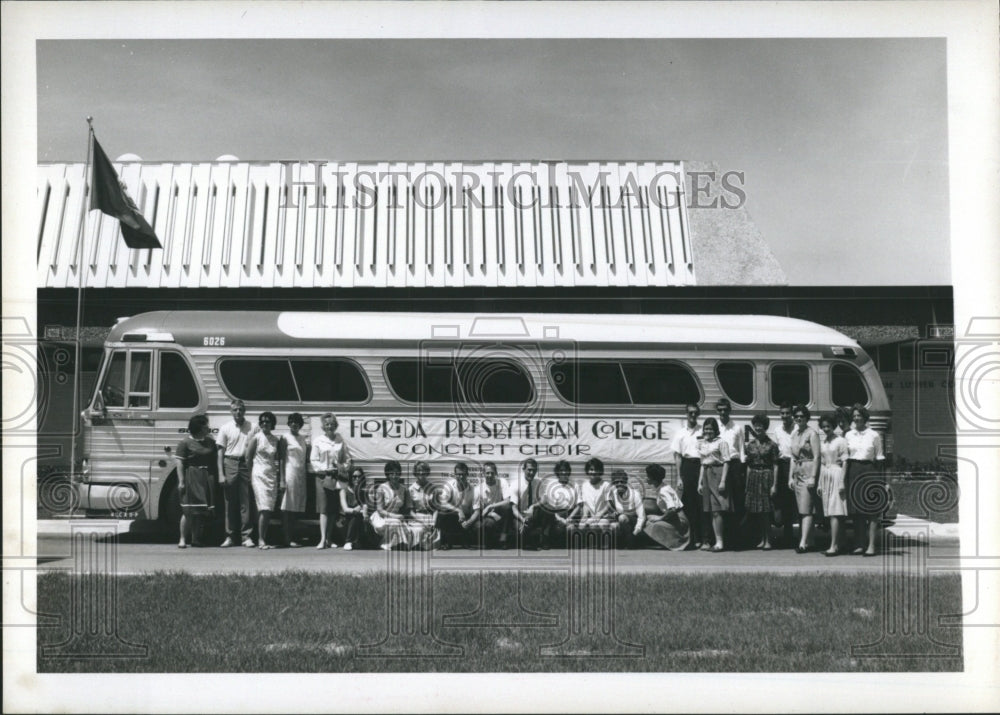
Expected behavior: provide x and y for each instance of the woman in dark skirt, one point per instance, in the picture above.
(196, 462)
(867, 496)
(762, 476)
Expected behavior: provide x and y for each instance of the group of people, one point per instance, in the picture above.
(735, 484)
(738, 482)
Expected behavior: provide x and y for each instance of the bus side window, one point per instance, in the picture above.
(847, 386)
(790, 383)
(113, 389)
(177, 386)
(736, 379)
(139, 383)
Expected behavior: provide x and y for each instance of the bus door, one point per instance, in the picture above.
(121, 436)
(176, 399)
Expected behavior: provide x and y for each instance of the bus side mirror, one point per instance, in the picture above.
(98, 413)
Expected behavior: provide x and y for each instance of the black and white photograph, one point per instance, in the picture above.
(500, 356)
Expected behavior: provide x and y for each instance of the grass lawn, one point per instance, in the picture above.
(305, 622)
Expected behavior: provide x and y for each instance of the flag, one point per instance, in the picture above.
(107, 193)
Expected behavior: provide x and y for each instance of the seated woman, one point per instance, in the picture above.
(626, 509)
(354, 510)
(391, 519)
(665, 521)
(424, 500)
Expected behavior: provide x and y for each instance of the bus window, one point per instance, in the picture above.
(422, 381)
(177, 386)
(847, 386)
(113, 389)
(258, 380)
(330, 380)
(587, 382)
(498, 382)
(661, 383)
(736, 381)
(138, 379)
(790, 383)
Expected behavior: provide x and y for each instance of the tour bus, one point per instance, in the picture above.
(449, 387)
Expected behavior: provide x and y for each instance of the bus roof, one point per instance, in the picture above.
(278, 329)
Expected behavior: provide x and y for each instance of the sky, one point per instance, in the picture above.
(843, 142)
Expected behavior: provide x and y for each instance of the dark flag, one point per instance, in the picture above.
(108, 194)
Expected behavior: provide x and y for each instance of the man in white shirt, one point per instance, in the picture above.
(594, 509)
(688, 463)
(783, 500)
(234, 475)
(732, 435)
(493, 500)
(457, 515)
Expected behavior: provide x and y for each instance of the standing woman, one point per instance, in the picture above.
(805, 473)
(833, 455)
(867, 496)
(293, 502)
(762, 476)
(329, 462)
(196, 462)
(266, 454)
(712, 480)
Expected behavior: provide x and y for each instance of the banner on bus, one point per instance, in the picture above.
(410, 438)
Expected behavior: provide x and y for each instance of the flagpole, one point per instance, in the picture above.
(77, 368)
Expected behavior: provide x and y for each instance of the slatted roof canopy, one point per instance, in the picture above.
(374, 224)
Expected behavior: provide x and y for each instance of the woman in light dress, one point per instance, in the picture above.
(833, 456)
(666, 523)
(804, 473)
(293, 502)
(266, 453)
(391, 519)
(712, 480)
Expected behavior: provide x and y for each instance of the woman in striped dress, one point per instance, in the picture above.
(762, 476)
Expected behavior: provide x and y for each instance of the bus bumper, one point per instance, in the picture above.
(119, 501)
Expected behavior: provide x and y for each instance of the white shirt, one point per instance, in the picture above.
(491, 493)
(685, 442)
(732, 435)
(783, 439)
(233, 440)
(667, 498)
(865, 446)
(328, 454)
(593, 497)
(516, 487)
(631, 503)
